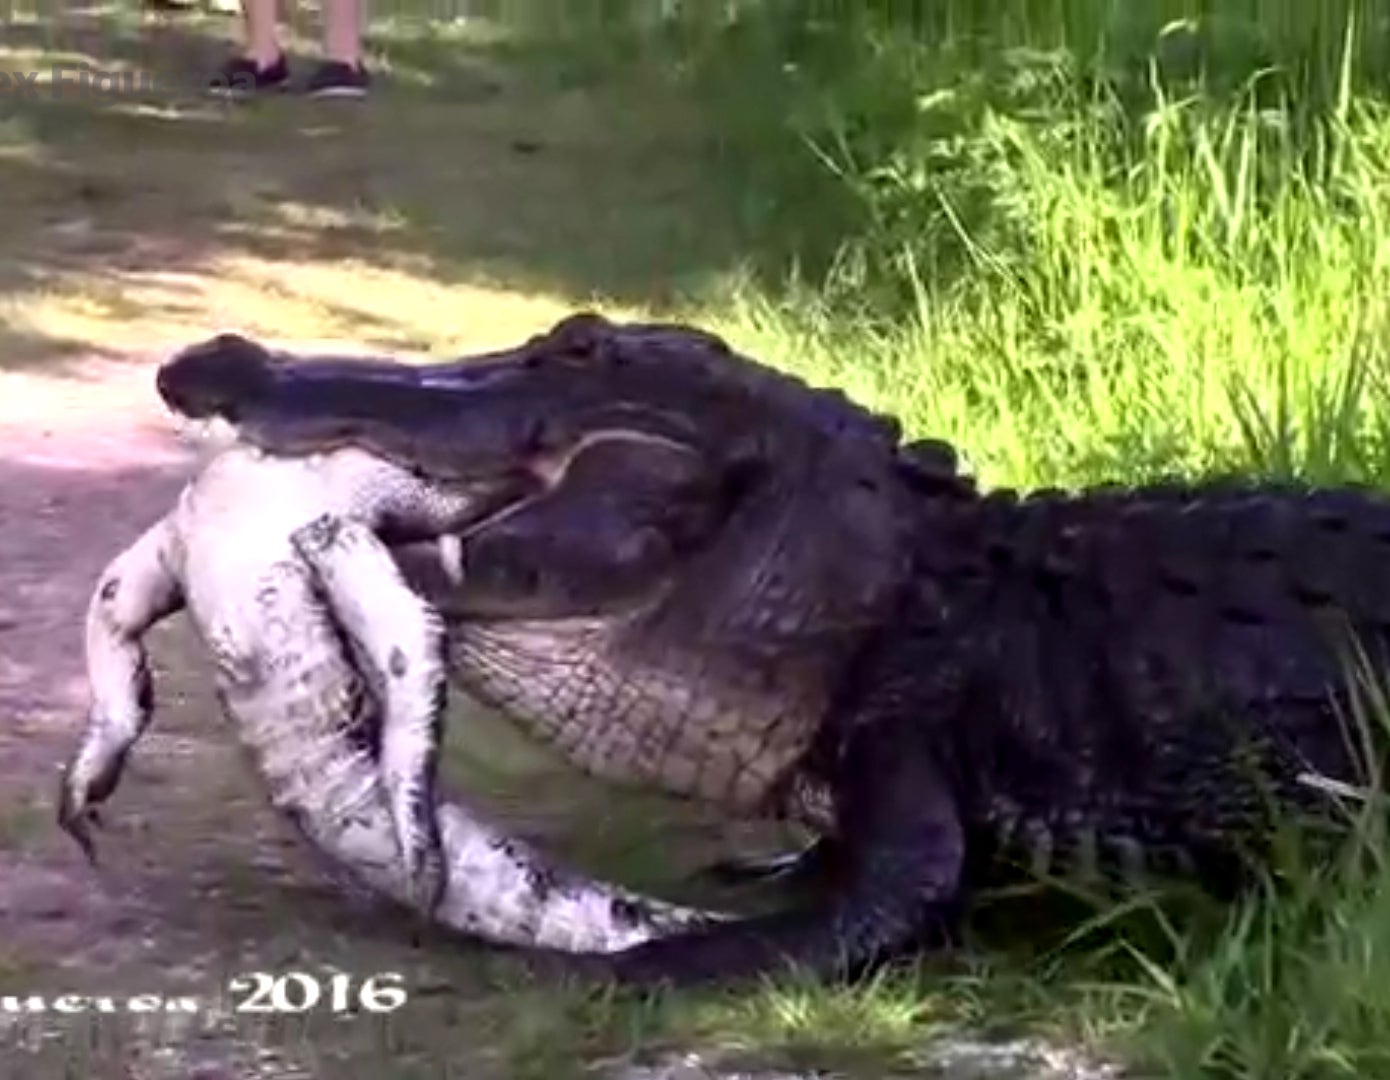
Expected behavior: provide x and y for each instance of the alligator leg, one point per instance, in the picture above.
(138, 588)
(403, 638)
(898, 883)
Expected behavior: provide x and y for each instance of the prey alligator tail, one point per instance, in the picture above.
(317, 729)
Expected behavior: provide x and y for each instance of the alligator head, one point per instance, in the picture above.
(677, 552)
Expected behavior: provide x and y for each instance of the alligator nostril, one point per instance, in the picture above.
(215, 377)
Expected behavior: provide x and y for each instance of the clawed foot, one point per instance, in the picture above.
(807, 866)
(424, 868)
(78, 823)
(686, 958)
(426, 873)
(83, 786)
(793, 944)
(684, 961)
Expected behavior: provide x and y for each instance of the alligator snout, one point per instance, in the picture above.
(215, 377)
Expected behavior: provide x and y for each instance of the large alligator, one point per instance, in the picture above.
(709, 577)
(347, 755)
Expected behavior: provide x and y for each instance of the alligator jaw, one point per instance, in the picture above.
(610, 604)
(458, 419)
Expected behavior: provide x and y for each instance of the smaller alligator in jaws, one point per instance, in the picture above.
(352, 764)
(713, 578)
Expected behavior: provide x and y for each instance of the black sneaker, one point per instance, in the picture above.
(334, 78)
(242, 77)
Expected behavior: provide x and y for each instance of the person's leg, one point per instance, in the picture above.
(261, 65)
(262, 40)
(342, 74)
(342, 31)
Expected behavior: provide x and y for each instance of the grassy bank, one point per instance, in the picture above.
(1077, 237)
(1082, 240)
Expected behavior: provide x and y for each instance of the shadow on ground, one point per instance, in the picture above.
(139, 198)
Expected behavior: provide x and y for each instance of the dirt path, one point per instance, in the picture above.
(87, 464)
(199, 880)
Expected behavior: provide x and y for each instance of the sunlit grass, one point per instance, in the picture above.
(1084, 294)
(1084, 241)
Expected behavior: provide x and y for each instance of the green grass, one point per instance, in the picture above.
(1083, 240)
(1074, 256)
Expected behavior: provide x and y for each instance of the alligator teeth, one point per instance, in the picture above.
(213, 433)
(451, 557)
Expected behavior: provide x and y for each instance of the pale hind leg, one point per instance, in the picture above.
(403, 639)
(136, 590)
